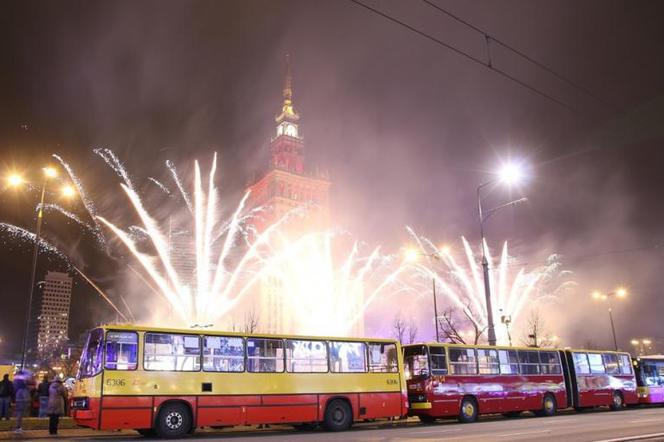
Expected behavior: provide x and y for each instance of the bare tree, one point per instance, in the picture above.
(589, 344)
(250, 321)
(451, 327)
(536, 334)
(404, 331)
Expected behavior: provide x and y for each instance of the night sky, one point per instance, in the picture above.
(407, 128)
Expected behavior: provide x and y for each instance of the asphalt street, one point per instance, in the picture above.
(600, 425)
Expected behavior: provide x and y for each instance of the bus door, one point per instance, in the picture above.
(512, 381)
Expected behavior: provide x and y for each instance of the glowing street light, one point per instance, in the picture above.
(641, 345)
(621, 293)
(68, 191)
(15, 180)
(509, 174)
(50, 172)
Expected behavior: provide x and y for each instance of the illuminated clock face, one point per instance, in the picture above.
(291, 130)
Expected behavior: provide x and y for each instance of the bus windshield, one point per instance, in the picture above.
(416, 362)
(652, 372)
(91, 357)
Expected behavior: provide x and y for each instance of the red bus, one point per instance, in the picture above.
(465, 381)
(650, 378)
(599, 378)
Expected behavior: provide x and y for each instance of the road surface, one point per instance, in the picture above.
(600, 425)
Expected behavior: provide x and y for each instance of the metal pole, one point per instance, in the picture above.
(613, 330)
(28, 315)
(435, 310)
(485, 268)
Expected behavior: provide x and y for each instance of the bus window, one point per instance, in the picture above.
(265, 355)
(348, 357)
(171, 352)
(382, 358)
(223, 354)
(625, 364)
(509, 363)
(596, 364)
(90, 364)
(306, 356)
(529, 361)
(581, 363)
(463, 361)
(438, 360)
(611, 363)
(550, 362)
(487, 361)
(652, 373)
(415, 361)
(121, 350)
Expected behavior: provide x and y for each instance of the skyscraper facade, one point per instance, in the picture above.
(53, 318)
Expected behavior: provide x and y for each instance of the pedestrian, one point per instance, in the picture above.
(57, 397)
(42, 392)
(23, 398)
(6, 396)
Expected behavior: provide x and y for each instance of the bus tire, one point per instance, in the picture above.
(174, 420)
(617, 401)
(338, 415)
(426, 419)
(549, 406)
(469, 410)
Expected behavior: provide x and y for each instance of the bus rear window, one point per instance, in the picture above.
(91, 357)
(121, 350)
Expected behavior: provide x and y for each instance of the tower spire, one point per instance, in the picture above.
(287, 110)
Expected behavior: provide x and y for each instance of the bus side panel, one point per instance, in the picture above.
(88, 418)
(126, 412)
(284, 408)
(224, 410)
(379, 405)
(628, 388)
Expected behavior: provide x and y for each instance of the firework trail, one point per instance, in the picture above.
(24, 235)
(178, 183)
(160, 185)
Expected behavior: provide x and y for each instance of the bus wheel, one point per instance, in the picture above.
(174, 420)
(549, 406)
(338, 415)
(617, 402)
(468, 412)
(426, 419)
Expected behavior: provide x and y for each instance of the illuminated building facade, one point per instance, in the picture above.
(287, 185)
(53, 319)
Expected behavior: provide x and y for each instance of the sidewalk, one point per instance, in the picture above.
(37, 428)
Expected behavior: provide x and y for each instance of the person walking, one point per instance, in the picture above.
(57, 397)
(23, 398)
(6, 396)
(42, 392)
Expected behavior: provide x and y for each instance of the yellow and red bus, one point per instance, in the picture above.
(169, 382)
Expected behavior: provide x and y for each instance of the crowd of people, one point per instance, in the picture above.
(46, 399)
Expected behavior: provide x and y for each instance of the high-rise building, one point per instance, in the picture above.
(287, 185)
(53, 318)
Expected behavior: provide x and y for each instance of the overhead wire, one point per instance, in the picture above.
(458, 51)
(489, 37)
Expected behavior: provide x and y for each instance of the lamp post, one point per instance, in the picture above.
(411, 255)
(619, 293)
(509, 174)
(16, 180)
(641, 345)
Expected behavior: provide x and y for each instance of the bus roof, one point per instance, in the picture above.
(504, 347)
(210, 331)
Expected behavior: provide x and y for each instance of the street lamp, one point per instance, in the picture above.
(641, 345)
(510, 174)
(16, 180)
(412, 255)
(620, 292)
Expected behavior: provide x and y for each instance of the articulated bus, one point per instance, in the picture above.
(168, 382)
(464, 381)
(650, 378)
